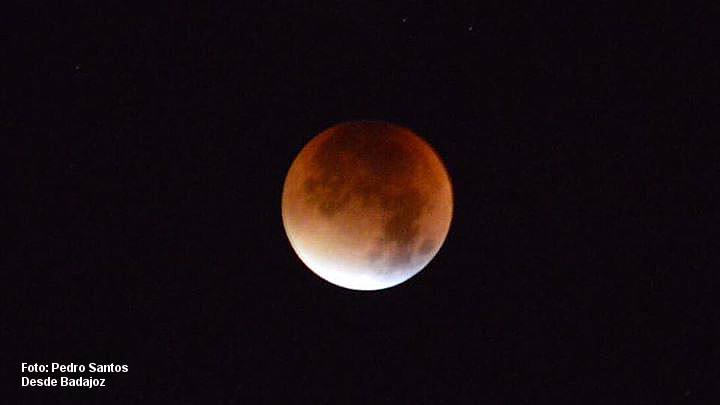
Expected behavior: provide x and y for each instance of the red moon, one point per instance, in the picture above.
(366, 205)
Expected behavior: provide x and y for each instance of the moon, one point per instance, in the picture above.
(367, 204)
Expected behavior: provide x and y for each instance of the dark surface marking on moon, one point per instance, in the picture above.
(401, 258)
(374, 255)
(402, 227)
(426, 247)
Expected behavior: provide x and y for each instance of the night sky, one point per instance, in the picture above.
(148, 148)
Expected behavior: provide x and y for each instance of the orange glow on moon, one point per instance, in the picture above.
(366, 205)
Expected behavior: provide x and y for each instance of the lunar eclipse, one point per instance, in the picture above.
(366, 205)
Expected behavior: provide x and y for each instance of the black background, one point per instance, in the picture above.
(148, 146)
